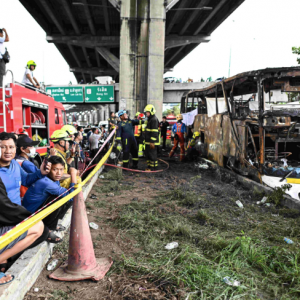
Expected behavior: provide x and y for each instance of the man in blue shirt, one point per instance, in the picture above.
(26, 152)
(47, 189)
(12, 175)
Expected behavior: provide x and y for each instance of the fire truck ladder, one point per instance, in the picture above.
(4, 103)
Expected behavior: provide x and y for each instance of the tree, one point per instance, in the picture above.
(296, 50)
(172, 111)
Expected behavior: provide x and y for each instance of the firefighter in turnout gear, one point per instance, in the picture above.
(138, 130)
(179, 129)
(191, 150)
(151, 137)
(125, 135)
(142, 136)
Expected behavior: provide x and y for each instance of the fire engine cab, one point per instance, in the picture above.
(36, 112)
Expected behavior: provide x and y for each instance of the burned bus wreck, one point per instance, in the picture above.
(254, 136)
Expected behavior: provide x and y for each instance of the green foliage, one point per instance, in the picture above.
(174, 111)
(296, 50)
(278, 193)
(60, 295)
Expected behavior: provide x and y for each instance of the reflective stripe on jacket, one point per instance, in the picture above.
(152, 131)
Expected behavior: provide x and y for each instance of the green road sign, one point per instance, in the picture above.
(99, 93)
(68, 94)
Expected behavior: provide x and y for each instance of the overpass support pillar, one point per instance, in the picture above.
(142, 46)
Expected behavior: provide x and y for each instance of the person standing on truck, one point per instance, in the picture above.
(151, 137)
(29, 80)
(179, 129)
(163, 130)
(125, 136)
(3, 38)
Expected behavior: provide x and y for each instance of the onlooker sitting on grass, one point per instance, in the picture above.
(12, 175)
(42, 192)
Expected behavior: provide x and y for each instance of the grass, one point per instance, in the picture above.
(216, 239)
(60, 295)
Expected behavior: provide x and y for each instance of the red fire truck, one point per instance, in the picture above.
(36, 112)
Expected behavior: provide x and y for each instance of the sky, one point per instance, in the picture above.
(260, 34)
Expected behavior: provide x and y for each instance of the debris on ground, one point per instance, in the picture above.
(110, 194)
(51, 266)
(94, 225)
(93, 196)
(231, 282)
(288, 241)
(171, 246)
(239, 204)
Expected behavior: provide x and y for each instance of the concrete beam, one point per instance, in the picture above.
(86, 57)
(53, 17)
(87, 41)
(74, 55)
(191, 18)
(93, 71)
(170, 3)
(97, 58)
(109, 57)
(115, 4)
(211, 15)
(67, 8)
(106, 18)
(174, 55)
(178, 14)
(176, 40)
(89, 17)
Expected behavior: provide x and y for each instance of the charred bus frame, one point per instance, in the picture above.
(249, 137)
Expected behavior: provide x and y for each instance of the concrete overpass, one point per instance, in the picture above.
(135, 41)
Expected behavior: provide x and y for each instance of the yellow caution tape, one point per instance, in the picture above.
(23, 227)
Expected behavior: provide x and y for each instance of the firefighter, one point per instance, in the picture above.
(29, 80)
(142, 136)
(151, 137)
(70, 130)
(61, 140)
(138, 129)
(125, 136)
(191, 150)
(179, 129)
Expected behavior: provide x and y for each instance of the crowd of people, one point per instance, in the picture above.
(26, 188)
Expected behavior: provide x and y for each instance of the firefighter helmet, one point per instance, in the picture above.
(59, 135)
(137, 114)
(151, 109)
(121, 112)
(141, 116)
(69, 129)
(21, 131)
(31, 63)
(179, 117)
(196, 134)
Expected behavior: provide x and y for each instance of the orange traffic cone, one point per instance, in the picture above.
(82, 263)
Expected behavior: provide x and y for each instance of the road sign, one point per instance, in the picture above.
(68, 94)
(99, 93)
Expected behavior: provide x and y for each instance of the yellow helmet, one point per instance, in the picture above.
(69, 129)
(137, 114)
(196, 134)
(31, 63)
(179, 117)
(58, 135)
(150, 108)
